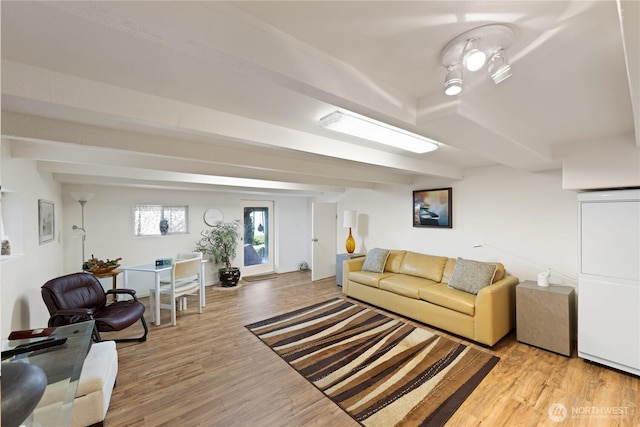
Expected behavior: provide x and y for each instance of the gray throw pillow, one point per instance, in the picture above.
(471, 276)
(375, 260)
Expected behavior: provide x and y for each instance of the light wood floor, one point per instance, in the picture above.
(209, 370)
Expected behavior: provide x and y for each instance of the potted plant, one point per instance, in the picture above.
(221, 242)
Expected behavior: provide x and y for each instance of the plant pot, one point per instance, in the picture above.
(229, 277)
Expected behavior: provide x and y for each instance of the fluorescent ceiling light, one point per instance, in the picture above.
(373, 130)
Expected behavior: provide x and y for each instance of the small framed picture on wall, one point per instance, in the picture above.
(432, 208)
(46, 221)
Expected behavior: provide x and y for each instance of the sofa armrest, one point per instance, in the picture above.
(349, 265)
(495, 310)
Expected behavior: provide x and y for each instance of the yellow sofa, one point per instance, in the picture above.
(416, 286)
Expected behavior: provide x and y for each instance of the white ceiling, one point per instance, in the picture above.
(225, 96)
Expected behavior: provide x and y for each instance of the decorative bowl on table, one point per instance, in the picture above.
(98, 266)
(102, 270)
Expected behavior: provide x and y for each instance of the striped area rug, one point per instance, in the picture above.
(381, 371)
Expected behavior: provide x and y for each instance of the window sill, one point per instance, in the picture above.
(6, 258)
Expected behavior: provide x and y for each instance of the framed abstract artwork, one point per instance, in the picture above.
(46, 221)
(432, 208)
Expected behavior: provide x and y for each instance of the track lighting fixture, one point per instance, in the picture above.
(499, 68)
(453, 82)
(470, 50)
(472, 57)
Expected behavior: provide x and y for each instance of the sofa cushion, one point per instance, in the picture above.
(421, 265)
(95, 386)
(402, 284)
(448, 270)
(471, 276)
(500, 271)
(394, 261)
(368, 278)
(100, 367)
(376, 260)
(453, 299)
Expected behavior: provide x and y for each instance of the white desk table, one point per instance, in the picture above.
(157, 271)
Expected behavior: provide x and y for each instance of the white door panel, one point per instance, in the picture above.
(323, 240)
(606, 320)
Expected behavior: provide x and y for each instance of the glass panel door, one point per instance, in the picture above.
(258, 244)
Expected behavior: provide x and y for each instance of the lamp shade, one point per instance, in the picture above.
(79, 196)
(79, 231)
(349, 219)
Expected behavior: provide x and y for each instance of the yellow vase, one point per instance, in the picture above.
(351, 243)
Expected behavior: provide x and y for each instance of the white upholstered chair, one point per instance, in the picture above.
(96, 384)
(184, 281)
(93, 395)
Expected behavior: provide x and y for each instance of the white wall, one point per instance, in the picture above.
(530, 222)
(525, 214)
(22, 275)
(109, 226)
(293, 228)
(601, 164)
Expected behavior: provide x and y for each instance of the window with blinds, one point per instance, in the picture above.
(157, 220)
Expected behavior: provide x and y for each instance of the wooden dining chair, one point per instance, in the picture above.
(185, 281)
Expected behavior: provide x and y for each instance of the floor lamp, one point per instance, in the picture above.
(81, 198)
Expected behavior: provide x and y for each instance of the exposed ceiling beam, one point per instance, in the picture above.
(43, 86)
(95, 145)
(179, 177)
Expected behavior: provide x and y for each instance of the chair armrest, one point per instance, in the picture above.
(74, 312)
(495, 310)
(349, 265)
(85, 313)
(121, 291)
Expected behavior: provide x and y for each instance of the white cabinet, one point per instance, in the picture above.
(609, 278)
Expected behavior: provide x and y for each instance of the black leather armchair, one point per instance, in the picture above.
(79, 297)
